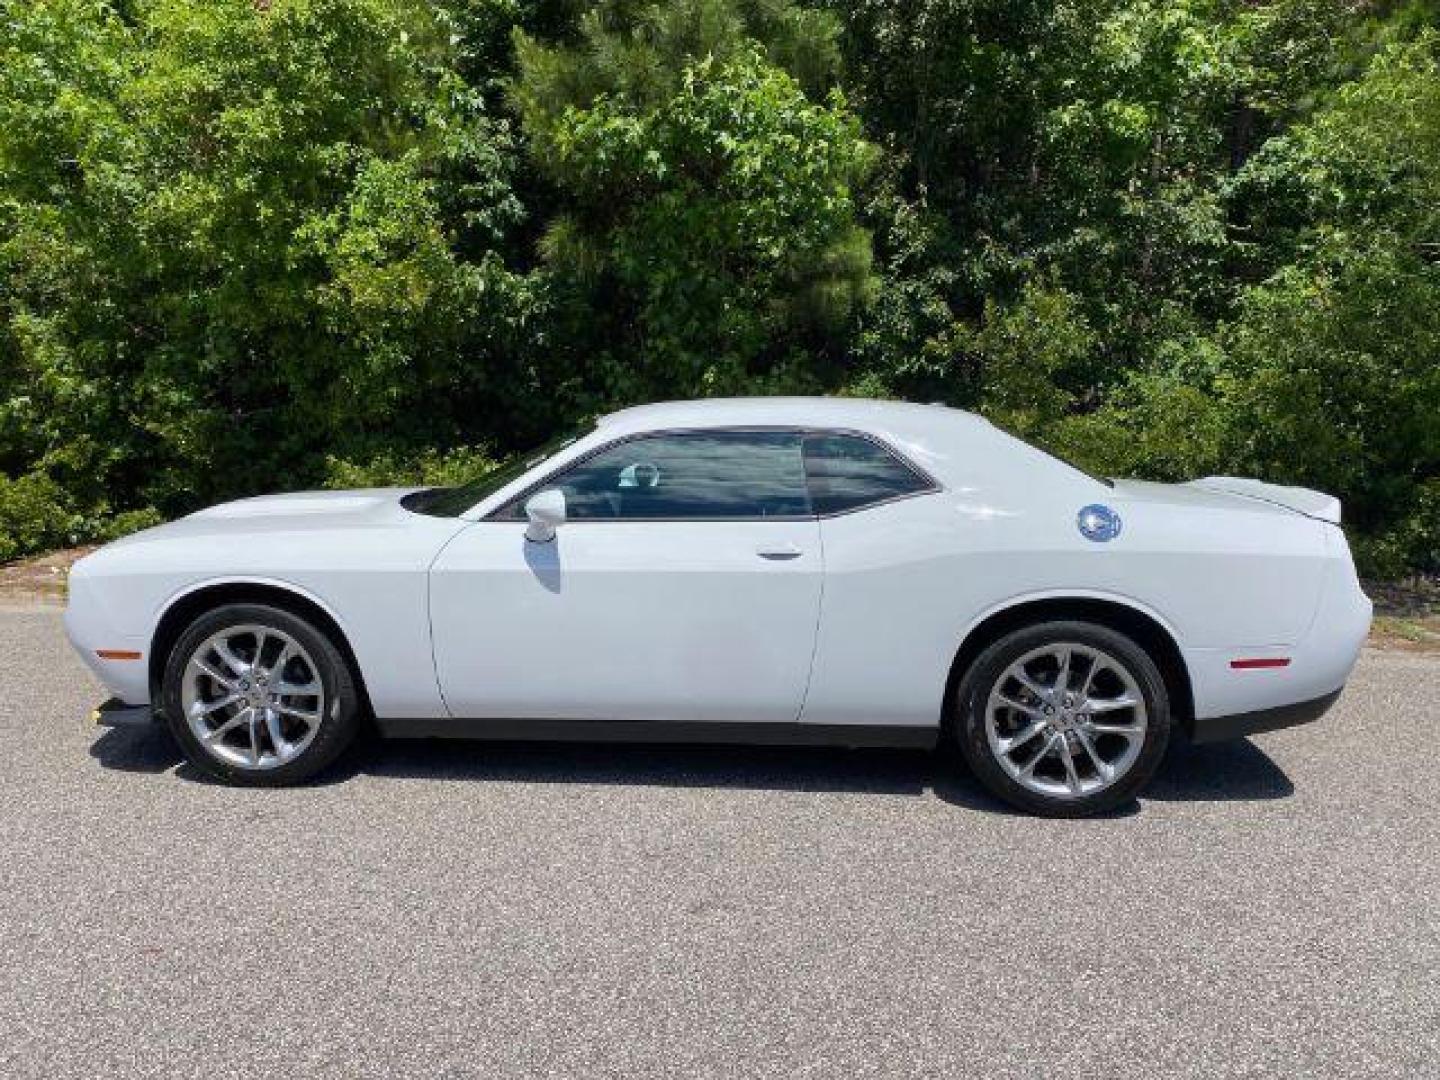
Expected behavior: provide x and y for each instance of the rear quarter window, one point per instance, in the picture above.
(850, 472)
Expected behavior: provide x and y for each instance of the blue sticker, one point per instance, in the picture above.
(1098, 523)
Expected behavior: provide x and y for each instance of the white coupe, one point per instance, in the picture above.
(753, 571)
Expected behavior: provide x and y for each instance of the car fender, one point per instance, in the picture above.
(1103, 595)
(283, 584)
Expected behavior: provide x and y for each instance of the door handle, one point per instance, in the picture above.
(779, 552)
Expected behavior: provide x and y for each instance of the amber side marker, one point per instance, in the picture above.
(117, 654)
(1260, 662)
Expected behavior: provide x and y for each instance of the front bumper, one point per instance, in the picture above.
(92, 628)
(115, 713)
(1237, 725)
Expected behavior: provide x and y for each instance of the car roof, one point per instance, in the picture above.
(961, 450)
(821, 412)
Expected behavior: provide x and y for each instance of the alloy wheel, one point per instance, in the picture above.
(1066, 720)
(252, 697)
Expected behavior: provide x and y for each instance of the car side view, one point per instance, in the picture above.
(824, 571)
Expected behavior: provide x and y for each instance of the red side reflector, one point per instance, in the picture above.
(117, 654)
(1260, 662)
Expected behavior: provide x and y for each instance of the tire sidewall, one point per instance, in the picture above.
(337, 727)
(973, 694)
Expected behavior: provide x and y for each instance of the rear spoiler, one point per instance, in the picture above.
(1315, 504)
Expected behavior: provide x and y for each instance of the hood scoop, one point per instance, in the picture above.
(301, 503)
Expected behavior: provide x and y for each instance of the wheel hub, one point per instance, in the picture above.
(257, 693)
(1063, 713)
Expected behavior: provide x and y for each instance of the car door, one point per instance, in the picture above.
(684, 585)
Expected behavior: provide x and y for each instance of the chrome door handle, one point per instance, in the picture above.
(783, 551)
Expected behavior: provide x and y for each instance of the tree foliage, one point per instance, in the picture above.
(250, 244)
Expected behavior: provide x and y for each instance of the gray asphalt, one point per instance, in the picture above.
(1271, 908)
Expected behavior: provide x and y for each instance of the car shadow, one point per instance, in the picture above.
(138, 748)
(1234, 771)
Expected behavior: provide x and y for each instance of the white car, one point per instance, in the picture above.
(759, 570)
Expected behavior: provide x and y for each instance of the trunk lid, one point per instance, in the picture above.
(1313, 504)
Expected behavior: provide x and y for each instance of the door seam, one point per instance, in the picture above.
(819, 617)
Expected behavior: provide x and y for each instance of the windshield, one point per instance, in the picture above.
(454, 501)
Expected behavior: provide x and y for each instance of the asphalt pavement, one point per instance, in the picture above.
(1271, 908)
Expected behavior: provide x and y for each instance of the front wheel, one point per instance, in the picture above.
(1063, 719)
(258, 696)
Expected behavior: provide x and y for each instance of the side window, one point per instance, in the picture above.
(719, 474)
(847, 472)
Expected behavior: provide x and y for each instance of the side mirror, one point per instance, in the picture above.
(546, 511)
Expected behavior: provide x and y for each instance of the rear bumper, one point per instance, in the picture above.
(1238, 725)
(1312, 669)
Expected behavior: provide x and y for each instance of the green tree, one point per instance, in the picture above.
(236, 236)
(709, 224)
(1326, 374)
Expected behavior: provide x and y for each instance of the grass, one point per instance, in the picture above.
(39, 579)
(1407, 614)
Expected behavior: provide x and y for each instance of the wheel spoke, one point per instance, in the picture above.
(1018, 706)
(222, 680)
(277, 740)
(233, 662)
(1102, 767)
(1072, 778)
(1062, 676)
(1010, 745)
(309, 689)
(255, 737)
(1129, 731)
(1022, 676)
(205, 708)
(299, 714)
(1124, 701)
(229, 725)
(261, 638)
(1028, 769)
(277, 669)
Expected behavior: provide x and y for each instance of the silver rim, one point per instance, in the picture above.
(1066, 720)
(252, 697)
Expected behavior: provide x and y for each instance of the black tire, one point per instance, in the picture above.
(338, 725)
(974, 690)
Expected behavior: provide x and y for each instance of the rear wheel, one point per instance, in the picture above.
(256, 695)
(1064, 719)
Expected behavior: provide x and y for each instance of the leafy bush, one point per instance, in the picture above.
(248, 246)
(34, 514)
(428, 468)
(37, 514)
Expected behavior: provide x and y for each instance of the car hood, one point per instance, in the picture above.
(301, 511)
(360, 501)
